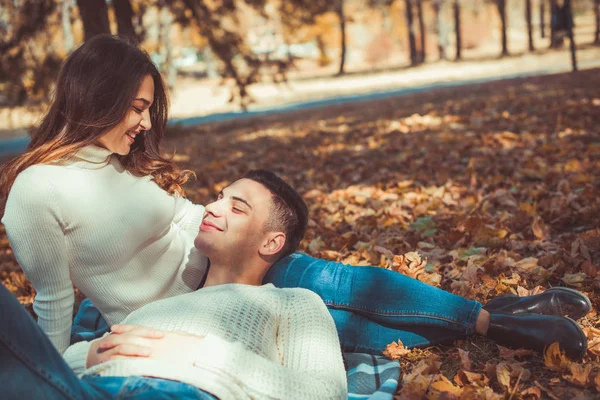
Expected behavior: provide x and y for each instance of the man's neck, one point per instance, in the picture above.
(221, 273)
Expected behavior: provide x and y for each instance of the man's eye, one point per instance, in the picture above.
(237, 210)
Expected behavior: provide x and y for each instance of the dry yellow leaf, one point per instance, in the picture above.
(396, 350)
(555, 359)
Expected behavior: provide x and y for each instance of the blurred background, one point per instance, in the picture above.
(230, 55)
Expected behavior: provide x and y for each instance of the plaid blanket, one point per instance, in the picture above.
(370, 377)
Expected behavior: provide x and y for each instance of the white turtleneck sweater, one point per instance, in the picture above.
(120, 239)
(260, 342)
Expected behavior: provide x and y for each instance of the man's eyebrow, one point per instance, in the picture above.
(146, 102)
(241, 200)
(222, 193)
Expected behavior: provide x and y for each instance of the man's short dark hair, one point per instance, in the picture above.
(288, 212)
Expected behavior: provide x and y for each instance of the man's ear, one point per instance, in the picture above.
(273, 244)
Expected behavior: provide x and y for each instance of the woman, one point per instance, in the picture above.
(92, 203)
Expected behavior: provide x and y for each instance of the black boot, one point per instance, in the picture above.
(554, 301)
(537, 332)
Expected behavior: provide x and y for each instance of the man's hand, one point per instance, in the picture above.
(125, 341)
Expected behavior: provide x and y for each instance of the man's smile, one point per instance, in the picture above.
(207, 226)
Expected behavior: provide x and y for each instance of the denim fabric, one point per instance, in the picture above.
(32, 368)
(373, 306)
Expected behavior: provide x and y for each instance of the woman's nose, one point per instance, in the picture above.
(146, 122)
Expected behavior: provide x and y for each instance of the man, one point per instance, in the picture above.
(233, 339)
(248, 228)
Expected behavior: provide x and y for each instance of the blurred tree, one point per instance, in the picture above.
(542, 18)
(556, 40)
(412, 42)
(457, 28)
(440, 28)
(297, 15)
(421, 31)
(529, 24)
(124, 16)
(567, 13)
(28, 59)
(342, 17)
(94, 15)
(66, 25)
(597, 12)
(501, 5)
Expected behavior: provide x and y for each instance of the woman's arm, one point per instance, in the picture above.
(34, 228)
(187, 214)
(310, 365)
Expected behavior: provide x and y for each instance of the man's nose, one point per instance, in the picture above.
(214, 208)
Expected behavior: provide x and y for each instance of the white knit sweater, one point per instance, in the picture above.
(260, 342)
(120, 239)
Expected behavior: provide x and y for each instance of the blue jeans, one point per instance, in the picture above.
(373, 307)
(32, 368)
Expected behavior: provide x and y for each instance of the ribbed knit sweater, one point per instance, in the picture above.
(120, 239)
(260, 342)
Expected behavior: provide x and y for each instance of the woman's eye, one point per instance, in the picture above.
(237, 210)
(137, 110)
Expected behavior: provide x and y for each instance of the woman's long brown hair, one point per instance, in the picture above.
(94, 92)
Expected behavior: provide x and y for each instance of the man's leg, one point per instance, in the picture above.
(389, 302)
(361, 335)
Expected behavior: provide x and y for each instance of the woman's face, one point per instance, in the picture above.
(120, 138)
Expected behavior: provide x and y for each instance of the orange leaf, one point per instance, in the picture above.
(555, 359)
(532, 393)
(395, 350)
(579, 374)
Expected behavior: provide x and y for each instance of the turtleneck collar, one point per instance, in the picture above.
(94, 154)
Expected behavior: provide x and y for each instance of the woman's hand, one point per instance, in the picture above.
(125, 341)
(176, 347)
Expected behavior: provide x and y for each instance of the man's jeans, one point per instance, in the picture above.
(373, 307)
(32, 368)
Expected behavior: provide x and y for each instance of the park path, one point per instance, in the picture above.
(196, 102)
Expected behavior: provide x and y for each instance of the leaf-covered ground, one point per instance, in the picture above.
(480, 190)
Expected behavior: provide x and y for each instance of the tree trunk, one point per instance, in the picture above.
(124, 16)
(66, 26)
(421, 30)
(555, 42)
(94, 15)
(414, 58)
(597, 11)
(439, 31)
(569, 12)
(501, 4)
(542, 21)
(166, 20)
(342, 17)
(529, 24)
(457, 29)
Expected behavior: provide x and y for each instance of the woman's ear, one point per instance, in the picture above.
(273, 244)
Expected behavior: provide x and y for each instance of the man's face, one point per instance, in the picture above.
(233, 225)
